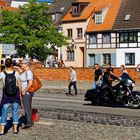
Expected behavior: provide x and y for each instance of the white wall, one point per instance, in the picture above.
(17, 3)
(120, 55)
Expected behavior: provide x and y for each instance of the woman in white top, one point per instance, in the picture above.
(26, 77)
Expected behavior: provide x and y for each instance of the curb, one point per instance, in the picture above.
(89, 117)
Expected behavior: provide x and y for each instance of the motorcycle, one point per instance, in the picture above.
(123, 92)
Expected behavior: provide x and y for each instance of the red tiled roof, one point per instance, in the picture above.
(85, 15)
(10, 8)
(2, 3)
(83, 1)
(101, 6)
(113, 8)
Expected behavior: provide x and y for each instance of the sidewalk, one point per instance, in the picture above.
(55, 129)
(47, 129)
(62, 86)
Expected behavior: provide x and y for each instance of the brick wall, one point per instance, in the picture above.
(82, 73)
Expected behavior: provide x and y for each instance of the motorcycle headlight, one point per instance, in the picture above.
(120, 86)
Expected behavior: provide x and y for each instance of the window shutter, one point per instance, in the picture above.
(98, 58)
(113, 59)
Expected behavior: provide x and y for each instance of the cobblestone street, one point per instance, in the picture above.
(47, 129)
(59, 123)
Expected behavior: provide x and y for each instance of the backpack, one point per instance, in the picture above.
(10, 88)
(36, 85)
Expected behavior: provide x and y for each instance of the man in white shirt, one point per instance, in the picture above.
(72, 80)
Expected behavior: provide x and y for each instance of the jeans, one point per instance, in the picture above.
(95, 84)
(5, 110)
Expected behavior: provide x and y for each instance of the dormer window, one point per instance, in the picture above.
(77, 8)
(98, 18)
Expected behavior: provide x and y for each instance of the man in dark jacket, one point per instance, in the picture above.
(107, 82)
(98, 75)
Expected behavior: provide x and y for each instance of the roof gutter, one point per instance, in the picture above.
(124, 29)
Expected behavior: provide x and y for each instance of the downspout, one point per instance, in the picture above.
(85, 51)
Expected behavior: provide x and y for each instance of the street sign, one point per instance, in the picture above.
(8, 49)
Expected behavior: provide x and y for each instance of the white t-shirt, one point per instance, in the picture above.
(24, 77)
(72, 76)
(2, 76)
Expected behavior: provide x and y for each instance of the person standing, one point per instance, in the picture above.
(11, 95)
(62, 64)
(26, 80)
(98, 75)
(72, 80)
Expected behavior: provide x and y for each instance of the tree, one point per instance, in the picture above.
(31, 30)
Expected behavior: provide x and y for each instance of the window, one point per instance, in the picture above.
(62, 8)
(106, 38)
(123, 37)
(127, 17)
(129, 58)
(128, 37)
(98, 18)
(53, 17)
(133, 37)
(69, 33)
(75, 10)
(106, 59)
(70, 55)
(79, 33)
(93, 38)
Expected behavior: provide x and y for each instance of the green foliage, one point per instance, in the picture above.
(31, 30)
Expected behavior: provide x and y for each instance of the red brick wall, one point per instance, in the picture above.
(82, 73)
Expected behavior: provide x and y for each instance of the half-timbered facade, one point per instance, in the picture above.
(113, 34)
(127, 26)
(101, 40)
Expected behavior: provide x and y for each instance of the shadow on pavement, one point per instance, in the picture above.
(108, 105)
(9, 125)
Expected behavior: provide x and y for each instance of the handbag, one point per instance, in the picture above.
(36, 85)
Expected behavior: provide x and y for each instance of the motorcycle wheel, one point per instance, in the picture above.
(93, 102)
(135, 104)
